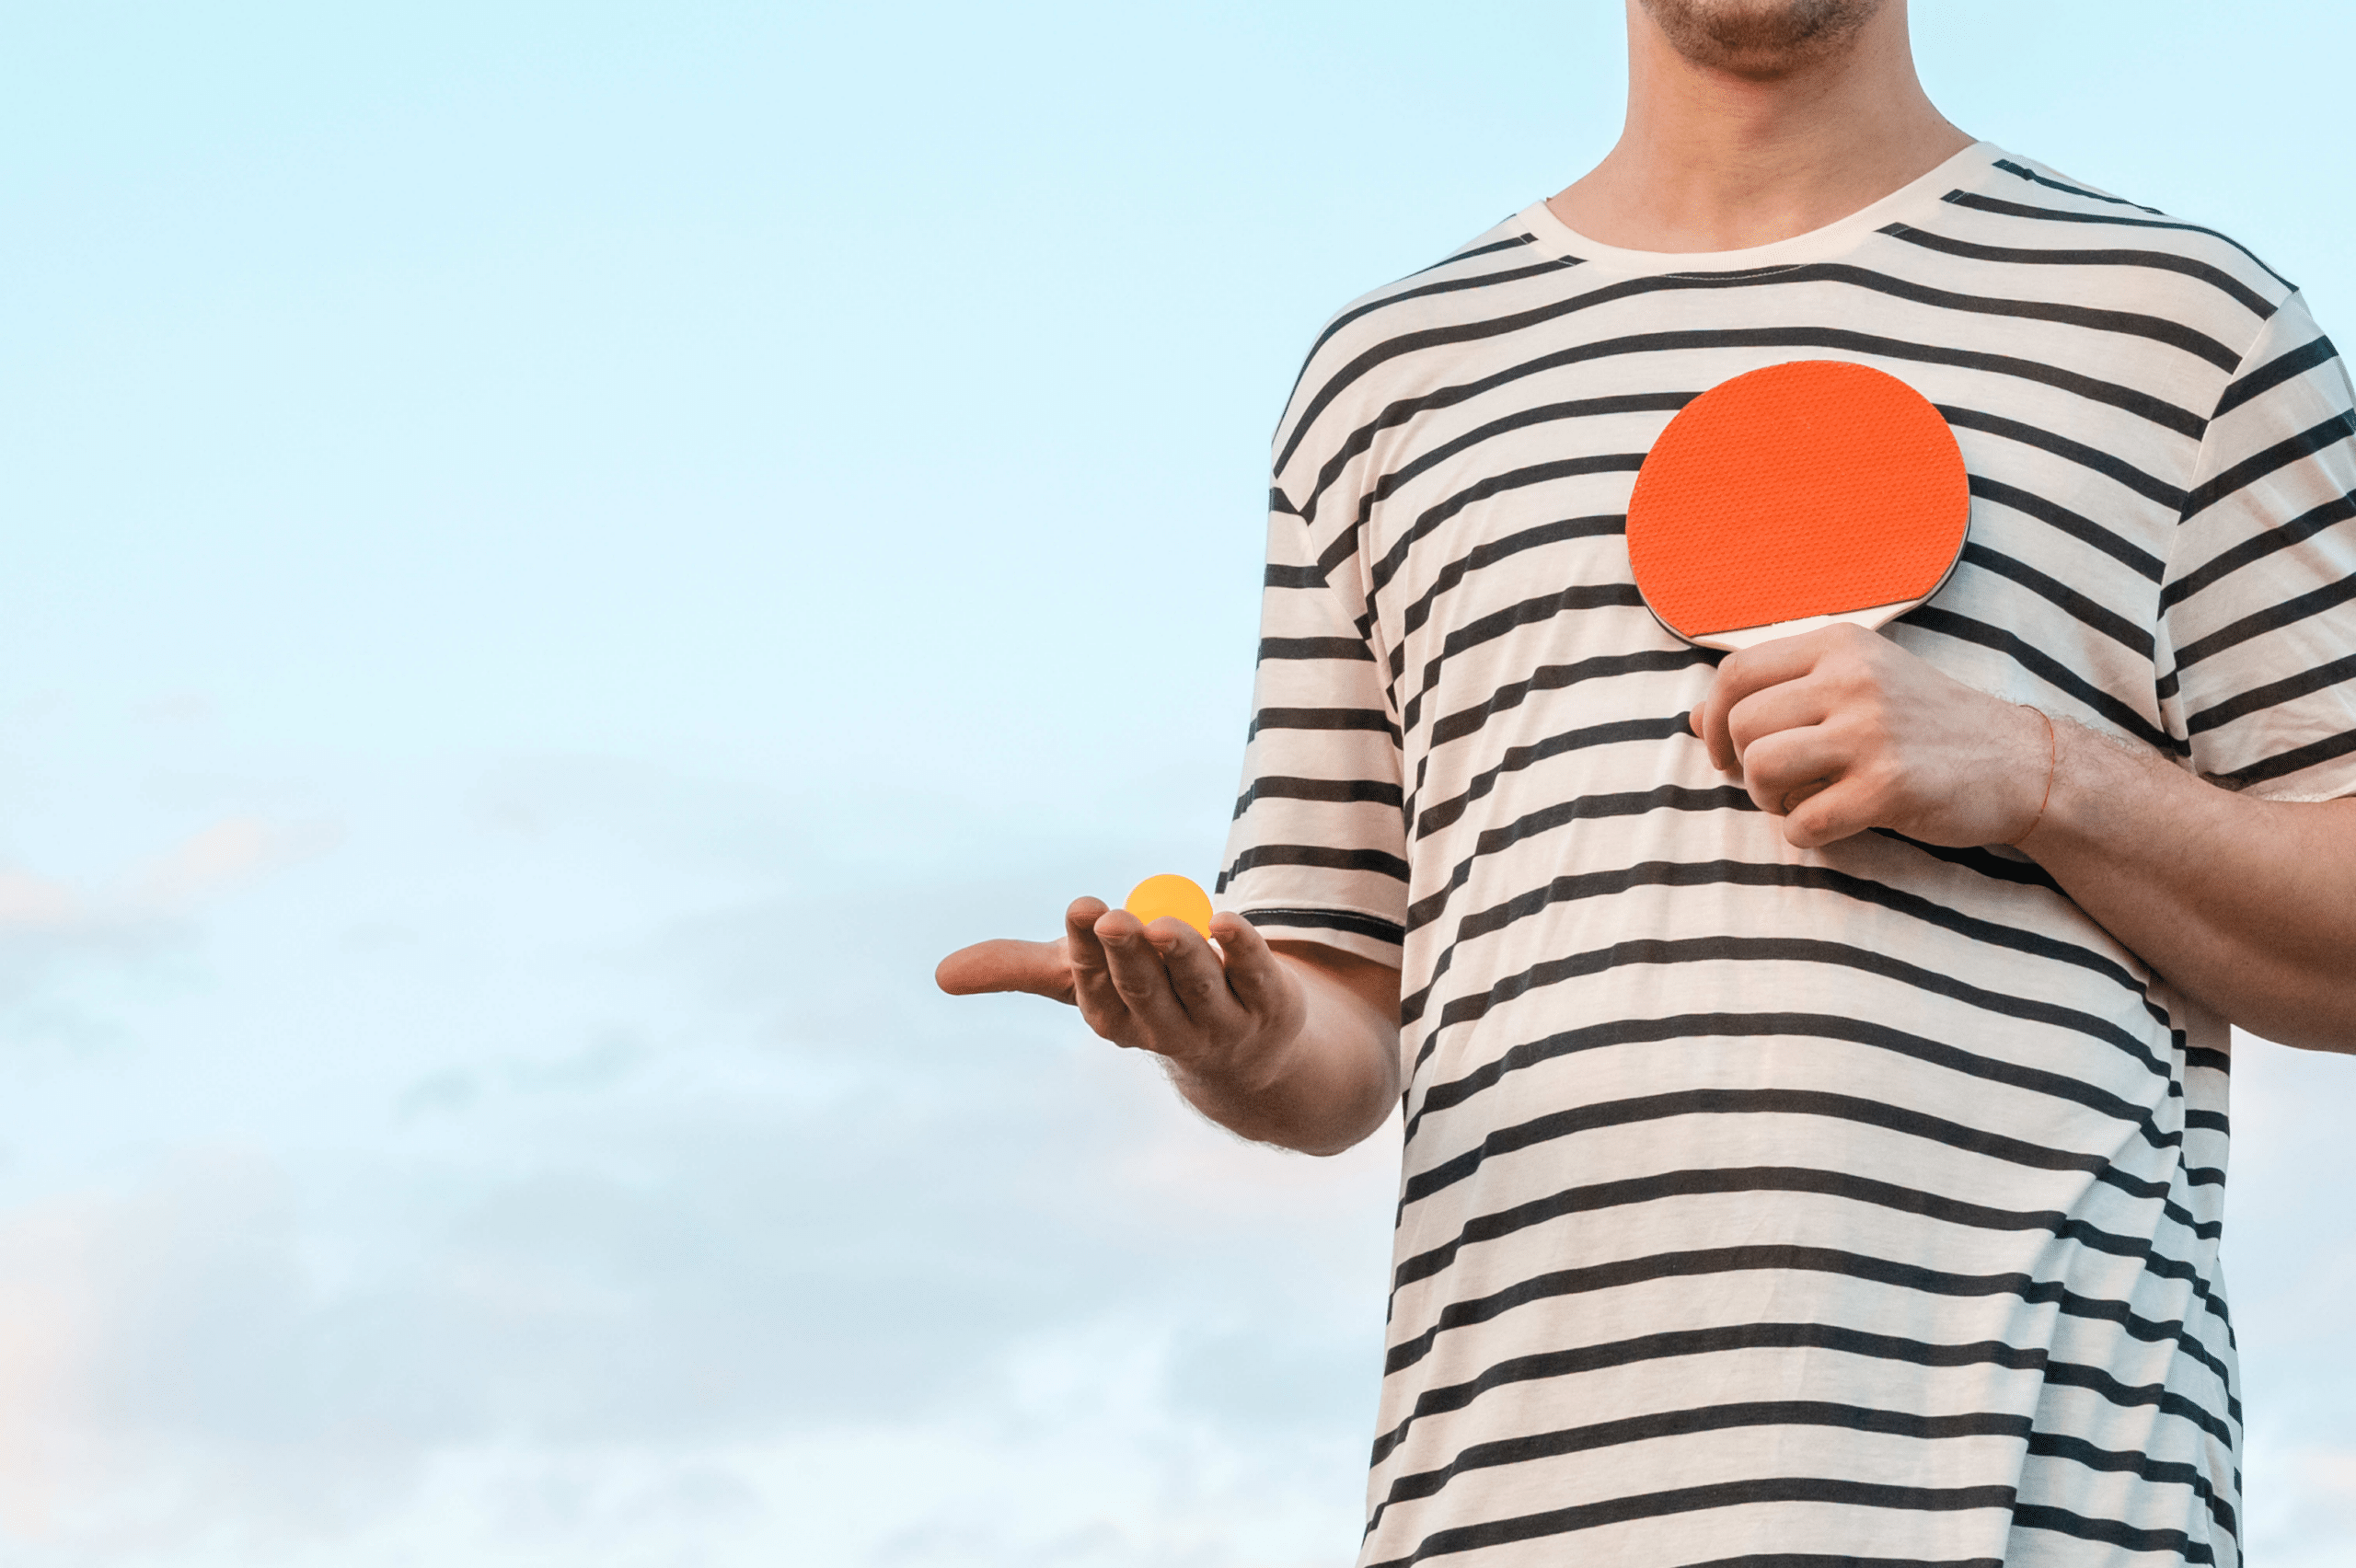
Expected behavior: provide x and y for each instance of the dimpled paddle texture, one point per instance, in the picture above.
(1807, 488)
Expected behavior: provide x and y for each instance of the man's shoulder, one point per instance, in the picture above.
(1501, 255)
(2044, 211)
(1503, 269)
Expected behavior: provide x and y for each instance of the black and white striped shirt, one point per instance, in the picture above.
(1763, 1205)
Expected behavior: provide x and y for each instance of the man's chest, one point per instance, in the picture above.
(1493, 520)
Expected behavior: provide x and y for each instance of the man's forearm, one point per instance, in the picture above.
(2248, 905)
(1332, 1083)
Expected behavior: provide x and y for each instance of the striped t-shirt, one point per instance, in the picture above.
(1765, 1206)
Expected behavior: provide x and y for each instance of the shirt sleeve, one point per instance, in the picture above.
(1318, 848)
(2257, 608)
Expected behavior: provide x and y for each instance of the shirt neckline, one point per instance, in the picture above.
(1923, 190)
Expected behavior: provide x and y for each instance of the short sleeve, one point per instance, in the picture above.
(1318, 848)
(2258, 606)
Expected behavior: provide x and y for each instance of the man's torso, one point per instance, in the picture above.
(1854, 1202)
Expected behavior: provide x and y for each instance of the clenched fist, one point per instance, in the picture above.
(1840, 730)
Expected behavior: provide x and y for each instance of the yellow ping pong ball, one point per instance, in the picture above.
(1173, 895)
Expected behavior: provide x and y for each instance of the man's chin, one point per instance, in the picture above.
(1760, 38)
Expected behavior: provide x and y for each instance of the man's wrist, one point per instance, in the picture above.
(1244, 1072)
(2035, 782)
(2101, 787)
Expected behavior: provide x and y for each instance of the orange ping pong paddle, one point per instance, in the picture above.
(1793, 497)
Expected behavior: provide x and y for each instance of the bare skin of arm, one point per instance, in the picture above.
(1292, 1043)
(2248, 905)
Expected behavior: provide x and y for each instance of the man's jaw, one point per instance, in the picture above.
(1760, 38)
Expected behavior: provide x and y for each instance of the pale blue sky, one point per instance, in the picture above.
(559, 555)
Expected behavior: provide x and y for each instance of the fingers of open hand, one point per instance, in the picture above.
(1162, 987)
(1165, 989)
(1091, 977)
(1197, 979)
(1260, 983)
(1141, 980)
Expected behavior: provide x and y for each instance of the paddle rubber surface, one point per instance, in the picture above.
(1816, 488)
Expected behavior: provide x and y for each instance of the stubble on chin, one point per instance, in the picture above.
(1761, 38)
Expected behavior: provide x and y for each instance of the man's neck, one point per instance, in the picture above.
(1716, 160)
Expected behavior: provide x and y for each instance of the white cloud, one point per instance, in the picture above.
(746, 1340)
(28, 902)
(217, 857)
(201, 867)
(152, 1366)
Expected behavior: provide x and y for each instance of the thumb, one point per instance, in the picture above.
(1042, 969)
